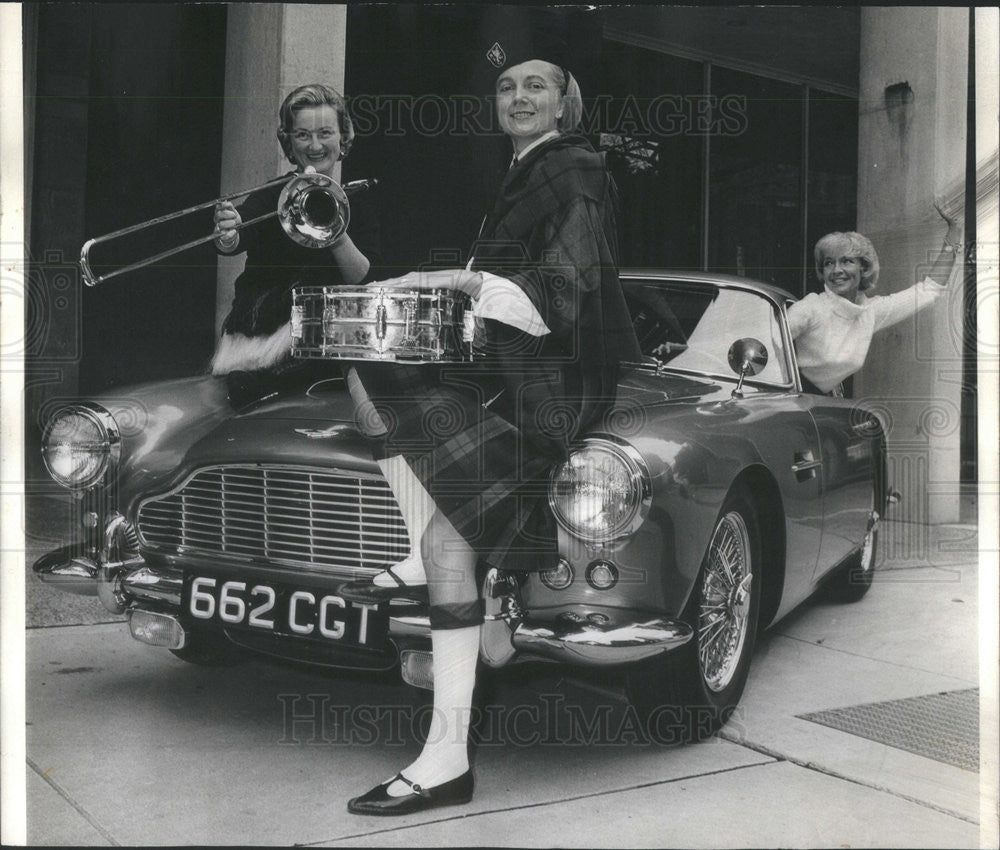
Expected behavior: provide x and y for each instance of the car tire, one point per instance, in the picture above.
(689, 694)
(852, 580)
(209, 651)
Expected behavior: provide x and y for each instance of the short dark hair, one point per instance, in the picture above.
(314, 94)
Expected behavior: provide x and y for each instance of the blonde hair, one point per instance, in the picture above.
(572, 98)
(857, 245)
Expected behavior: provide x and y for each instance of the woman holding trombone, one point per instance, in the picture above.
(315, 132)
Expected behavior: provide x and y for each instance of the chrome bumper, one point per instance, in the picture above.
(69, 573)
(132, 579)
(121, 584)
(583, 645)
(600, 646)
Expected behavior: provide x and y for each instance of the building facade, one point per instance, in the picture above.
(737, 137)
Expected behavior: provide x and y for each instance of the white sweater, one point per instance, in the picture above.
(832, 335)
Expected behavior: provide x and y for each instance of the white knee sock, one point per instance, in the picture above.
(445, 755)
(417, 507)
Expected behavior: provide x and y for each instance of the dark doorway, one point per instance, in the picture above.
(128, 125)
(123, 122)
(647, 110)
(420, 88)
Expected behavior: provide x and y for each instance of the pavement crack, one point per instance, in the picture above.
(74, 625)
(542, 804)
(44, 774)
(972, 683)
(826, 771)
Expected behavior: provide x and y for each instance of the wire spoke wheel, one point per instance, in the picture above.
(723, 614)
(698, 686)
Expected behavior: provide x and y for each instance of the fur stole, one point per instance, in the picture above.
(250, 353)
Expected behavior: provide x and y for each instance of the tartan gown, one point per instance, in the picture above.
(484, 437)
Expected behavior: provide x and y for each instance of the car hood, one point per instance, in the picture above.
(169, 428)
(324, 401)
(175, 425)
(646, 388)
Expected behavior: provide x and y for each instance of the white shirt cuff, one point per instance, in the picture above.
(504, 301)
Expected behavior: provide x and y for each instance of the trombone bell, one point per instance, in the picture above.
(313, 210)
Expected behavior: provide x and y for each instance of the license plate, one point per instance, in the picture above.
(269, 607)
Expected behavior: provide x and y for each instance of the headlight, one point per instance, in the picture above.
(601, 492)
(79, 445)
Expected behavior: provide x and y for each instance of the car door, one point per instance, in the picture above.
(848, 474)
(791, 444)
(846, 471)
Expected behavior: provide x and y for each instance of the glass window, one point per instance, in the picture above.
(691, 327)
(833, 173)
(755, 173)
(645, 118)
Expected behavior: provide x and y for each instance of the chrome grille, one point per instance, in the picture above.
(322, 520)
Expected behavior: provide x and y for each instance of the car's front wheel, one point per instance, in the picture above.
(690, 693)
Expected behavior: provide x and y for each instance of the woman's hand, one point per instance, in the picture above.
(227, 219)
(455, 279)
(952, 251)
(954, 235)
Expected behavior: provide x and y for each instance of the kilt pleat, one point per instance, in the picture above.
(482, 473)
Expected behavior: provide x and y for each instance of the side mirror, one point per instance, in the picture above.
(747, 356)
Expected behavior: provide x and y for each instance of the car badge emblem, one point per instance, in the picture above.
(496, 55)
(323, 433)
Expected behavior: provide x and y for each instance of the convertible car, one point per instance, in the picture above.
(716, 497)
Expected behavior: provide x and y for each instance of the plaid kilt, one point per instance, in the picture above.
(484, 437)
(488, 477)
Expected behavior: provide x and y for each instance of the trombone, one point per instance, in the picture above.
(313, 209)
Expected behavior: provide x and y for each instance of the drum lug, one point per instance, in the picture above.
(409, 322)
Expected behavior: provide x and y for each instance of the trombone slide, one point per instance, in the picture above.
(314, 211)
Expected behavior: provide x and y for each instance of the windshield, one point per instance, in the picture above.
(690, 326)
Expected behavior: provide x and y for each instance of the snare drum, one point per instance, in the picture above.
(421, 326)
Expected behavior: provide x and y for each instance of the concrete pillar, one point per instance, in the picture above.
(911, 150)
(270, 50)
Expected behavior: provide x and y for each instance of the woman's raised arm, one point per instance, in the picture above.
(951, 250)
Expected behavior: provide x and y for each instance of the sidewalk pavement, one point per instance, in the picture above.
(128, 745)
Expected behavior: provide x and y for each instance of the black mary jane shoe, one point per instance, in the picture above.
(378, 802)
(366, 591)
